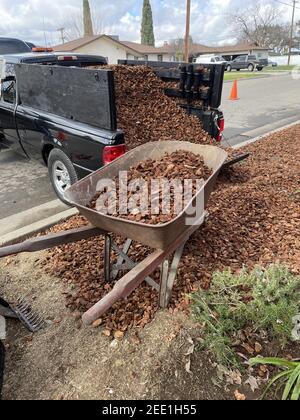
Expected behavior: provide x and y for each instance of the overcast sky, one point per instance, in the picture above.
(38, 20)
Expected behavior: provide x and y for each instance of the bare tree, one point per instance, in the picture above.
(259, 24)
(74, 27)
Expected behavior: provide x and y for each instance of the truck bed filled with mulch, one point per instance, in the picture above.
(180, 165)
(146, 114)
(254, 218)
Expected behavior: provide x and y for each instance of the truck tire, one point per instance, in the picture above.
(228, 68)
(62, 172)
(251, 67)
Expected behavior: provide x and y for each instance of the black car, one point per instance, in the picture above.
(14, 46)
(245, 62)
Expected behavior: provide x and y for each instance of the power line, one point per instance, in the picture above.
(287, 4)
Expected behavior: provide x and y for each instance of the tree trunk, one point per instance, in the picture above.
(87, 19)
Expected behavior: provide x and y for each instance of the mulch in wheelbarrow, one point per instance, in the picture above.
(254, 219)
(177, 166)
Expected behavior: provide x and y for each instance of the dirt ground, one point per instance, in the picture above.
(64, 361)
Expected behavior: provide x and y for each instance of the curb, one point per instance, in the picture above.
(255, 139)
(24, 233)
(244, 79)
(264, 76)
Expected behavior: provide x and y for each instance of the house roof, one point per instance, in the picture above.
(204, 49)
(139, 49)
(147, 49)
(81, 42)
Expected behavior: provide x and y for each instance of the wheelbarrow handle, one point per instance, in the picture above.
(51, 241)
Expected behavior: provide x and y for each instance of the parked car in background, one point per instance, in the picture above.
(272, 63)
(210, 59)
(245, 62)
(14, 46)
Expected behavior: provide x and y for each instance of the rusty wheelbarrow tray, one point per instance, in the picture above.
(168, 239)
(157, 236)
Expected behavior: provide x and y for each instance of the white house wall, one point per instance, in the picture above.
(106, 49)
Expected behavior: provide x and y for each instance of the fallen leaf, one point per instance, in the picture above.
(239, 396)
(253, 383)
(97, 323)
(248, 348)
(107, 333)
(188, 366)
(258, 348)
(119, 335)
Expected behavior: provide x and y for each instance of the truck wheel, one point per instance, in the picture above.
(62, 173)
(251, 67)
(228, 68)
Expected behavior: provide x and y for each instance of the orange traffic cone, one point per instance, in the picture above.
(234, 92)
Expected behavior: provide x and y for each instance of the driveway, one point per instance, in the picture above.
(24, 184)
(265, 103)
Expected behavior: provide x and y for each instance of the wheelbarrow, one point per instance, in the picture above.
(165, 239)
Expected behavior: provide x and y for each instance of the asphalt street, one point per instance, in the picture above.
(264, 104)
(24, 184)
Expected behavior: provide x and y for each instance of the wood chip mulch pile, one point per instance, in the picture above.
(254, 219)
(146, 114)
(180, 165)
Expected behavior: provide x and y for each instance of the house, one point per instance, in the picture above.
(114, 49)
(230, 52)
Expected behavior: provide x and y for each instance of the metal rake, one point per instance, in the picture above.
(28, 317)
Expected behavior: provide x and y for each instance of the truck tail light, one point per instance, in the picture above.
(221, 127)
(67, 58)
(111, 153)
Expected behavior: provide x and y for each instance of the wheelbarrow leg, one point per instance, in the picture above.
(168, 277)
(107, 258)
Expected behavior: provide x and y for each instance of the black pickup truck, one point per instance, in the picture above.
(54, 110)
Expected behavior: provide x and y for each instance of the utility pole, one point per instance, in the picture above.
(187, 31)
(292, 32)
(62, 34)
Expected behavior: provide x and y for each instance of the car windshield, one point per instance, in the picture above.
(220, 59)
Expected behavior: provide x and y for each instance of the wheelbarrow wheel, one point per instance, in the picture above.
(62, 173)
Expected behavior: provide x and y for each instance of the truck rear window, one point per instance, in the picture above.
(13, 47)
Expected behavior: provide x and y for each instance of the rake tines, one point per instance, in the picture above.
(28, 317)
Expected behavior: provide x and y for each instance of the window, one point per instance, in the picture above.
(8, 91)
(160, 58)
(212, 60)
(146, 57)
